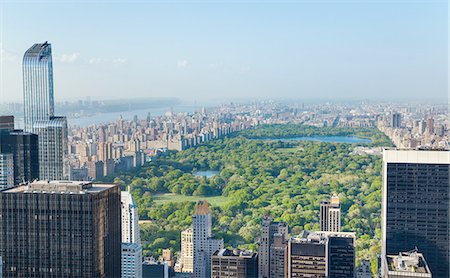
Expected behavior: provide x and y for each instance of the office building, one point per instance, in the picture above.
(131, 260)
(364, 270)
(204, 245)
(269, 229)
(39, 111)
(234, 263)
(131, 239)
(24, 148)
(322, 254)
(60, 229)
(396, 120)
(415, 205)
(330, 215)
(130, 219)
(52, 134)
(187, 257)
(406, 265)
(37, 69)
(278, 257)
(6, 171)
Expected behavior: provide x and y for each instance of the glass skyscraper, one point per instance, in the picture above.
(416, 188)
(38, 84)
(39, 111)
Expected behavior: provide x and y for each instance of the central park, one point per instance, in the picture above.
(259, 172)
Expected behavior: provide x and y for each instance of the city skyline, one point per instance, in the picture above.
(213, 50)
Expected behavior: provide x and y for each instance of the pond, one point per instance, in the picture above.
(206, 173)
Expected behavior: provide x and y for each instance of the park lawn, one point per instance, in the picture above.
(170, 197)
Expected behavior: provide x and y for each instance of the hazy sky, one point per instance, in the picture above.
(198, 50)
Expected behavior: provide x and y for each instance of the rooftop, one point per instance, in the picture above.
(202, 208)
(407, 262)
(235, 253)
(52, 187)
(319, 237)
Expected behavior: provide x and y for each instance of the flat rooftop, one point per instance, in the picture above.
(320, 237)
(61, 187)
(407, 262)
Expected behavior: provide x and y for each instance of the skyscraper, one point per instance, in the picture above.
(24, 148)
(60, 229)
(396, 120)
(187, 259)
(38, 85)
(330, 215)
(415, 206)
(269, 229)
(322, 254)
(39, 111)
(204, 245)
(131, 239)
(278, 257)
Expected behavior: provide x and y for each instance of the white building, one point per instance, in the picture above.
(130, 219)
(187, 256)
(203, 243)
(6, 171)
(131, 260)
(131, 240)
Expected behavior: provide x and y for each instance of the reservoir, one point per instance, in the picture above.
(326, 139)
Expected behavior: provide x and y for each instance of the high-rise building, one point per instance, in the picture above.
(396, 120)
(406, 265)
(187, 257)
(330, 215)
(130, 219)
(6, 170)
(278, 257)
(131, 239)
(322, 254)
(131, 260)
(269, 229)
(415, 205)
(204, 245)
(234, 263)
(38, 85)
(39, 111)
(60, 229)
(24, 148)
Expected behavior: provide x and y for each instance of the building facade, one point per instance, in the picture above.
(204, 245)
(6, 171)
(322, 254)
(269, 229)
(39, 115)
(234, 264)
(187, 257)
(131, 260)
(60, 229)
(330, 215)
(278, 257)
(37, 69)
(415, 207)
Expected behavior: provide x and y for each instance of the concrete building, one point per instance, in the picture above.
(131, 239)
(364, 270)
(322, 254)
(396, 120)
(6, 171)
(415, 206)
(406, 265)
(204, 245)
(330, 215)
(234, 264)
(187, 257)
(60, 229)
(269, 229)
(131, 260)
(278, 256)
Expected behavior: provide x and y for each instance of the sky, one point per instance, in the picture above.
(226, 50)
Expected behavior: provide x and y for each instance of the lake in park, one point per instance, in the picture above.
(207, 173)
(327, 139)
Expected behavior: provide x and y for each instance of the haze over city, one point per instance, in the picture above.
(211, 50)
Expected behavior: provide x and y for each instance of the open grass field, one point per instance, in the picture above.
(170, 197)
